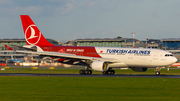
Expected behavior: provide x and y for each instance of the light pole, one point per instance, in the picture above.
(146, 41)
(133, 39)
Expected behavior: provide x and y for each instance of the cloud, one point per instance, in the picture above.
(81, 34)
(69, 7)
(112, 33)
(31, 10)
(98, 5)
(52, 7)
(4, 1)
(14, 8)
(6, 4)
(90, 4)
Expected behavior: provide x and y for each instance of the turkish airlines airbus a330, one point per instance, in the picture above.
(101, 59)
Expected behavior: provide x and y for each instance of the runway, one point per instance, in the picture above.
(93, 75)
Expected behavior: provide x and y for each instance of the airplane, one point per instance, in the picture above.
(102, 59)
(13, 60)
(16, 60)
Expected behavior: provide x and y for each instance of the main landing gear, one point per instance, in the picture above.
(89, 72)
(108, 72)
(85, 72)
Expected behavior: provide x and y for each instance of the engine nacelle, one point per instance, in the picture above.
(99, 66)
(139, 69)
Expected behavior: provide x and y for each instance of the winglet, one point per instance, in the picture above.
(8, 48)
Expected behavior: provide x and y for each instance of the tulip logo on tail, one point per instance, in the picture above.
(32, 34)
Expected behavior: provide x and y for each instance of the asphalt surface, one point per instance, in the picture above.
(92, 75)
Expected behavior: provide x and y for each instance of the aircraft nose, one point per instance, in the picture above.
(174, 59)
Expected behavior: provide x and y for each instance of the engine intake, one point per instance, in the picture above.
(99, 66)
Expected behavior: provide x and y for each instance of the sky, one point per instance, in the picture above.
(65, 20)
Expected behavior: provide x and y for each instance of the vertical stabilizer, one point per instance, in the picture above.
(32, 34)
(8, 48)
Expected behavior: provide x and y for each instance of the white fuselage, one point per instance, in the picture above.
(137, 57)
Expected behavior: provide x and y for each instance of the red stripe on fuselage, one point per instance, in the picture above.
(77, 50)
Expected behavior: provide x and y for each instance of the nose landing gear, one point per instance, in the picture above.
(158, 70)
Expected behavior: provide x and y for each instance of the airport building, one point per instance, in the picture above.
(153, 43)
(19, 42)
(104, 42)
(6, 54)
(171, 43)
(119, 42)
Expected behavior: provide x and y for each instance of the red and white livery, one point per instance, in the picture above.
(96, 58)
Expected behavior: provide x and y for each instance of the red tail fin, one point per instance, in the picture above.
(8, 48)
(32, 34)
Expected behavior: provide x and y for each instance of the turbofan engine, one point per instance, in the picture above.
(139, 69)
(99, 66)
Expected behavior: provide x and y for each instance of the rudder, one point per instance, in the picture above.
(32, 34)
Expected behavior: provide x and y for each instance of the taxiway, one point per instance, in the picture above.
(93, 75)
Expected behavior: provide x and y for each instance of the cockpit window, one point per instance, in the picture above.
(168, 55)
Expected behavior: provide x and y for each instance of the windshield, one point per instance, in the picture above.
(168, 55)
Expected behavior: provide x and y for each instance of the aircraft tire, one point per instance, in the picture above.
(81, 72)
(157, 72)
(86, 71)
(90, 72)
(109, 72)
(112, 72)
(104, 73)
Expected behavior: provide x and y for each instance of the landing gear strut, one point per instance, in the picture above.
(158, 70)
(108, 72)
(85, 72)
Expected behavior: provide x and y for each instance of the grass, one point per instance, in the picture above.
(22, 88)
(89, 89)
(61, 70)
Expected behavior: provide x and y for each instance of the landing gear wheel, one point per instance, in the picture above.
(157, 72)
(109, 72)
(85, 72)
(104, 73)
(90, 72)
(81, 72)
(112, 72)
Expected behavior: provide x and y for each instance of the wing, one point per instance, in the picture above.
(69, 56)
